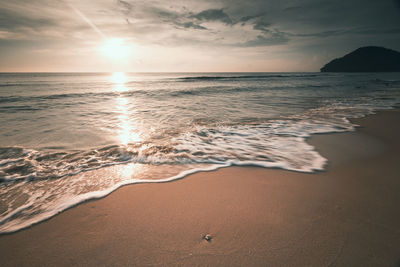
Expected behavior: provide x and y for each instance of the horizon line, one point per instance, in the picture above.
(7, 72)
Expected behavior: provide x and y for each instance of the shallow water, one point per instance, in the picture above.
(160, 126)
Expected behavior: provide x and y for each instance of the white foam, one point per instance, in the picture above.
(11, 223)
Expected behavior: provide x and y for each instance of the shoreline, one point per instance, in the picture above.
(253, 215)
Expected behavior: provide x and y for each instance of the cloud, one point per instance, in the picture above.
(293, 26)
(213, 15)
(125, 6)
(180, 20)
(147, 14)
(128, 6)
(250, 17)
(11, 20)
(343, 32)
(268, 38)
(262, 26)
(193, 26)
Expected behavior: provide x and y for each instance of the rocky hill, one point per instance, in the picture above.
(366, 59)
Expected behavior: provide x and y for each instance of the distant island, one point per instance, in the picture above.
(366, 59)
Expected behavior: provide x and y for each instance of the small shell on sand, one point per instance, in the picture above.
(207, 237)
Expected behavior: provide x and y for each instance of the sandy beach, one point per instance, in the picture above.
(348, 215)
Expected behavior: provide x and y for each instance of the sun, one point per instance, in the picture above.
(116, 49)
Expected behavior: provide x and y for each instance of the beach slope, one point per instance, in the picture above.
(348, 215)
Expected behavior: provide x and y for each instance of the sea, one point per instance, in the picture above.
(66, 138)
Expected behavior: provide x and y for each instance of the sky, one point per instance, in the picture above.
(190, 36)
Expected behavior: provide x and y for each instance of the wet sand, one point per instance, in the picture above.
(348, 215)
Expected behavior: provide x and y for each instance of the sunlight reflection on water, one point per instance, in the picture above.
(127, 132)
(118, 78)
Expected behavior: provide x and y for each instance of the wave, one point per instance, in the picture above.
(38, 185)
(221, 90)
(278, 143)
(45, 99)
(266, 76)
(23, 101)
(30, 213)
(386, 83)
(9, 99)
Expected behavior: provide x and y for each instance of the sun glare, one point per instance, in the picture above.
(116, 49)
(118, 78)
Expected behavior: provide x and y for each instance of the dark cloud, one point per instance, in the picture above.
(166, 15)
(319, 34)
(358, 31)
(179, 20)
(378, 31)
(262, 26)
(193, 26)
(10, 20)
(214, 15)
(247, 18)
(125, 6)
(270, 38)
(159, 15)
